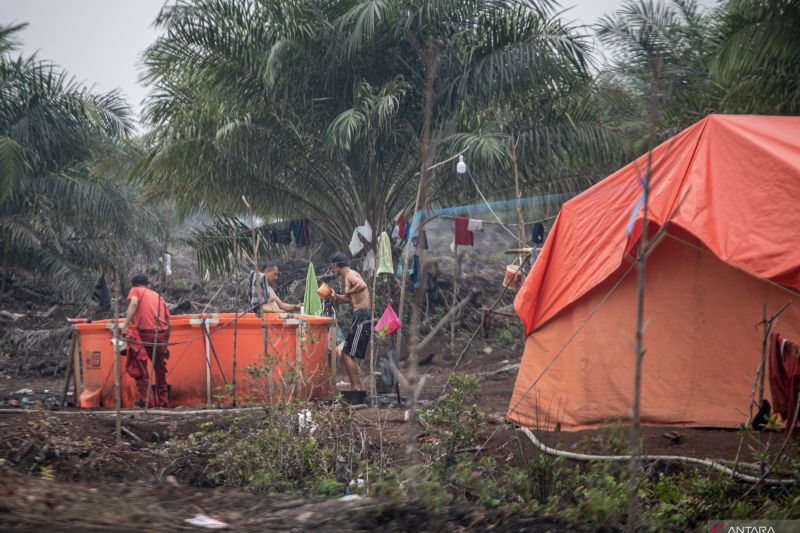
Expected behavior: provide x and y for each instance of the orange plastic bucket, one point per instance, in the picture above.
(513, 277)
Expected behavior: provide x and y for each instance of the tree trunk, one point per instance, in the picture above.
(431, 63)
(518, 190)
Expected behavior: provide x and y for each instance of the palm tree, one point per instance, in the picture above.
(62, 216)
(663, 50)
(758, 61)
(319, 108)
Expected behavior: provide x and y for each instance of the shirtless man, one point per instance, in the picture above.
(269, 274)
(356, 293)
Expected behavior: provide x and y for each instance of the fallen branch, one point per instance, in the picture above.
(444, 321)
(11, 316)
(666, 458)
(131, 433)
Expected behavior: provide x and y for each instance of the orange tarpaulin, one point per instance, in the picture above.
(744, 176)
(729, 249)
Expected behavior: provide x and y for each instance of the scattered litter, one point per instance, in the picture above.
(350, 498)
(488, 350)
(305, 421)
(342, 384)
(206, 522)
(23, 391)
(358, 483)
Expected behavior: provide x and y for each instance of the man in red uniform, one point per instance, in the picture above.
(149, 314)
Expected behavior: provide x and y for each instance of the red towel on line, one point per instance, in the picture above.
(401, 226)
(784, 377)
(464, 237)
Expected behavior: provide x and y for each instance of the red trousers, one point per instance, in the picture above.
(137, 366)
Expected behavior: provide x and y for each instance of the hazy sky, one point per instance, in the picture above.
(101, 42)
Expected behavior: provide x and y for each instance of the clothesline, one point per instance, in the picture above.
(282, 225)
(538, 221)
(458, 210)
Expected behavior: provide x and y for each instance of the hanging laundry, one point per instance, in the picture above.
(101, 295)
(299, 228)
(355, 244)
(365, 231)
(281, 234)
(464, 237)
(784, 377)
(312, 305)
(432, 282)
(384, 254)
(413, 271)
(486, 323)
(421, 240)
(537, 234)
(475, 224)
(369, 263)
(396, 232)
(401, 227)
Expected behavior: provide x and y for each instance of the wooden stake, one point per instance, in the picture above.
(77, 376)
(236, 316)
(70, 366)
(117, 374)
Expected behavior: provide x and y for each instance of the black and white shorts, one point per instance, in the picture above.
(358, 337)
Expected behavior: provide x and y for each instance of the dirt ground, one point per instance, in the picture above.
(61, 469)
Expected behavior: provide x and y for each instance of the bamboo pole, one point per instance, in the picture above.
(372, 386)
(518, 190)
(456, 277)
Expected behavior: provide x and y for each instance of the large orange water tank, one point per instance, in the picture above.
(203, 350)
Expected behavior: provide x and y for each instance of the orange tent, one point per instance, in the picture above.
(725, 192)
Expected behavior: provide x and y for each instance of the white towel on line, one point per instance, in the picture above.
(475, 224)
(355, 244)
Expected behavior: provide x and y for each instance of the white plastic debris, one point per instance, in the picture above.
(350, 498)
(357, 483)
(206, 522)
(305, 421)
